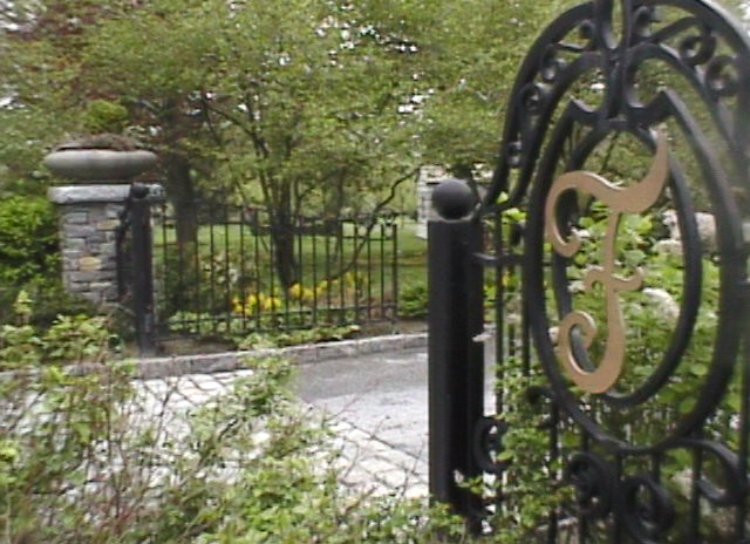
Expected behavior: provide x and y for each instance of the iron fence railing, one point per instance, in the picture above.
(240, 270)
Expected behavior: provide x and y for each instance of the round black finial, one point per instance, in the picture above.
(453, 199)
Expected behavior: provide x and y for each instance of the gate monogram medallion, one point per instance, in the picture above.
(635, 199)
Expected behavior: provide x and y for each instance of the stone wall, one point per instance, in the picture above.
(89, 251)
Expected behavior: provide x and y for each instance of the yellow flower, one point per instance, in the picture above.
(253, 301)
(296, 291)
(322, 288)
(308, 295)
(271, 304)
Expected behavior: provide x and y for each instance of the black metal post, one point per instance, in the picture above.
(456, 362)
(143, 282)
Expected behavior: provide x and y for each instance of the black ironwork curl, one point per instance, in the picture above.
(699, 48)
(552, 65)
(721, 76)
(550, 129)
(487, 443)
(533, 98)
(594, 481)
(643, 20)
(703, 23)
(714, 77)
(647, 510)
(732, 489)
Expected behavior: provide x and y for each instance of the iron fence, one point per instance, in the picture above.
(242, 270)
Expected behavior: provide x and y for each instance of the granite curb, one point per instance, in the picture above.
(162, 367)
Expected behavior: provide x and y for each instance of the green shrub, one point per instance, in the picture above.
(413, 301)
(282, 339)
(251, 468)
(105, 116)
(68, 340)
(49, 300)
(28, 240)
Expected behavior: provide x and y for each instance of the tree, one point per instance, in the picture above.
(469, 54)
(297, 106)
(42, 99)
(290, 109)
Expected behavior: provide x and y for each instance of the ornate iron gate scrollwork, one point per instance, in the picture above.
(625, 155)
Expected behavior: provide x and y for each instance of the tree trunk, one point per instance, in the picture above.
(181, 193)
(287, 267)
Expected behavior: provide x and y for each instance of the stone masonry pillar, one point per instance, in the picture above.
(89, 216)
(90, 210)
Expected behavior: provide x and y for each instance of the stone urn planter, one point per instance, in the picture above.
(99, 159)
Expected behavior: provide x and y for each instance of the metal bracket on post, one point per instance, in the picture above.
(456, 362)
(143, 281)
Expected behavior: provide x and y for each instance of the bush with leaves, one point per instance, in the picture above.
(85, 458)
(81, 464)
(28, 239)
(69, 340)
(413, 301)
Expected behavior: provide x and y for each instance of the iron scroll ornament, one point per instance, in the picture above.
(542, 119)
(622, 481)
(635, 199)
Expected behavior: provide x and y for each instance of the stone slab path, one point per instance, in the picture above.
(376, 402)
(376, 405)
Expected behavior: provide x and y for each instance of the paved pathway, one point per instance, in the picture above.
(376, 404)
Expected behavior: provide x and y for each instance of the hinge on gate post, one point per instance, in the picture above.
(498, 261)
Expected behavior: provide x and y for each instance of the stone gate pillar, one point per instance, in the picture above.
(90, 212)
(89, 216)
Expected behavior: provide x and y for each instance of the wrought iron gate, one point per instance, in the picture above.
(135, 283)
(614, 244)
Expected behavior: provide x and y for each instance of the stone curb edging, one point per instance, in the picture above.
(163, 367)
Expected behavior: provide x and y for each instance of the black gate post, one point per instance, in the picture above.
(143, 280)
(456, 362)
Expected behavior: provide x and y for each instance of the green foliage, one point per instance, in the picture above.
(74, 339)
(56, 433)
(79, 464)
(50, 299)
(290, 493)
(69, 340)
(195, 283)
(30, 261)
(28, 239)
(413, 301)
(295, 338)
(105, 116)
(466, 56)
(528, 495)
